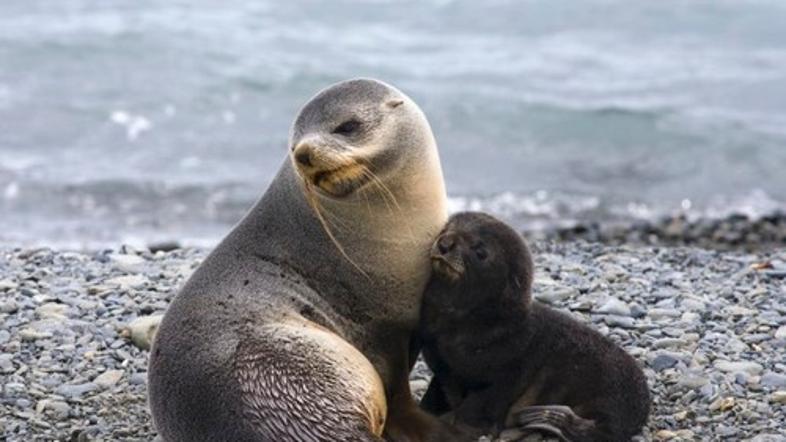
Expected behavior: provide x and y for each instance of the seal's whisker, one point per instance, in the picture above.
(371, 175)
(385, 190)
(311, 198)
(368, 203)
(335, 220)
(379, 192)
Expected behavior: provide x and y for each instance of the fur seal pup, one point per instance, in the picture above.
(499, 358)
(297, 327)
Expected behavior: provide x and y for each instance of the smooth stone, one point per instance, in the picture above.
(613, 272)
(663, 361)
(772, 379)
(614, 306)
(757, 338)
(693, 305)
(556, 294)
(59, 409)
(665, 435)
(163, 246)
(51, 310)
(75, 391)
(692, 381)
(768, 438)
(638, 311)
(138, 379)
(619, 321)
(127, 263)
(690, 317)
(9, 306)
(735, 345)
(662, 313)
(29, 334)
(668, 343)
(128, 282)
(722, 404)
(778, 397)
(749, 367)
(7, 284)
(725, 430)
(736, 310)
(707, 391)
(15, 387)
(6, 363)
(108, 378)
(780, 333)
(679, 434)
(142, 330)
(49, 325)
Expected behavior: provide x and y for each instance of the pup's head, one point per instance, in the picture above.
(480, 254)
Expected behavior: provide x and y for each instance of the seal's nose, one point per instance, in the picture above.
(302, 154)
(446, 243)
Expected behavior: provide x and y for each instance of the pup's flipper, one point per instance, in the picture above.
(558, 420)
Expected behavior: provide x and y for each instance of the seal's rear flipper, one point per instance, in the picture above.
(560, 421)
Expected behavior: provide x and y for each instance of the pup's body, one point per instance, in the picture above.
(499, 358)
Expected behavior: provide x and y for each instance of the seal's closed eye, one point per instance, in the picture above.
(348, 127)
(480, 251)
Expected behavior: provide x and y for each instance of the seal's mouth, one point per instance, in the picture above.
(333, 177)
(446, 269)
(340, 181)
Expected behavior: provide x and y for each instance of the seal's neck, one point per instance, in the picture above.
(385, 234)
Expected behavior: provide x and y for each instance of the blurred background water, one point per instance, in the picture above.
(144, 121)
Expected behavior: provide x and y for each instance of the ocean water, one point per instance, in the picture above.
(147, 120)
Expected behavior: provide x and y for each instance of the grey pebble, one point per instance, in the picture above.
(692, 381)
(775, 380)
(8, 306)
(614, 306)
(138, 379)
(663, 361)
(619, 321)
(748, 367)
(75, 391)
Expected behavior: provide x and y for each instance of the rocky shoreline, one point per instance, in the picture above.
(734, 232)
(709, 328)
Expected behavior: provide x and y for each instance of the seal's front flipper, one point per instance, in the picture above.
(559, 420)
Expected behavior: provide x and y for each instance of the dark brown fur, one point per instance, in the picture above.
(499, 358)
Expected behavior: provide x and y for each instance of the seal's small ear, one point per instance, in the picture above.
(394, 103)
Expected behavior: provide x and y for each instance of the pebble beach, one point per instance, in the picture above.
(709, 328)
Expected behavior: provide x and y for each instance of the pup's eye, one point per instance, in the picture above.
(347, 128)
(480, 252)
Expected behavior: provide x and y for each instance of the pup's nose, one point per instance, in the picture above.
(446, 243)
(302, 154)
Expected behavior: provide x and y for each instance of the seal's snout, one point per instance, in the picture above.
(323, 165)
(446, 243)
(303, 154)
(446, 259)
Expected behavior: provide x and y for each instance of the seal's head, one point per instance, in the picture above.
(482, 257)
(356, 132)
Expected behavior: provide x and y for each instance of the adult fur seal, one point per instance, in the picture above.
(297, 326)
(500, 358)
